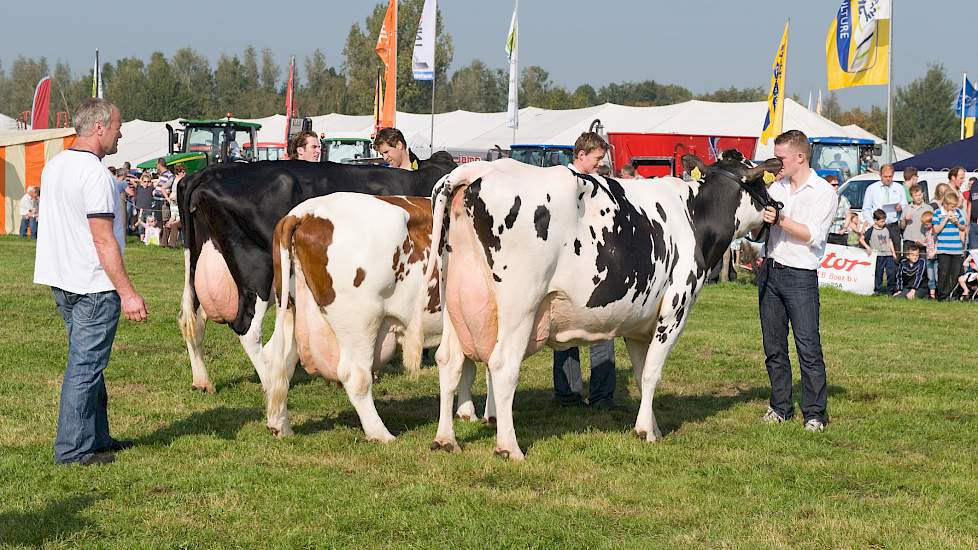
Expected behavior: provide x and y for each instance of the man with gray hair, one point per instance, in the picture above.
(28, 212)
(80, 257)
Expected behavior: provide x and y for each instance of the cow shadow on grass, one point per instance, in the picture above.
(223, 422)
(56, 520)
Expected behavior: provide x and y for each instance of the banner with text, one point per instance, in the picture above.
(847, 268)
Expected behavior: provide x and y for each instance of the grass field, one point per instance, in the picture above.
(897, 466)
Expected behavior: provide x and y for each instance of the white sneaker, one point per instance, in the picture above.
(814, 425)
(772, 417)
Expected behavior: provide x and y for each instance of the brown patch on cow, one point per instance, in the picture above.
(414, 249)
(310, 243)
(358, 278)
(284, 230)
(434, 298)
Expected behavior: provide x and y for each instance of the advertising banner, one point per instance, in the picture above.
(848, 268)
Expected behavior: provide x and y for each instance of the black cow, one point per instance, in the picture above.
(229, 214)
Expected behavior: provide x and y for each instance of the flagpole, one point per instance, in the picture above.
(964, 80)
(432, 142)
(889, 94)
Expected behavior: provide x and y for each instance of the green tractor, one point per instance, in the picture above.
(206, 142)
(349, 151)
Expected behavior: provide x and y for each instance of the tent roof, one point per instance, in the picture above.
(959, 153)
(16, 137)
(7, 123)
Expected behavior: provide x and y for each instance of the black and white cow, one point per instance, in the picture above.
(229, 214)
(535, 257)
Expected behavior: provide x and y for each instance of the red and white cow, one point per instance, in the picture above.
(353, 267)
(535, 257)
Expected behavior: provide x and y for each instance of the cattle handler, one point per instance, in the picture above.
(79, 256)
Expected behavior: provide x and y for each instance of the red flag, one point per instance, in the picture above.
(42, 103)
(387, 50)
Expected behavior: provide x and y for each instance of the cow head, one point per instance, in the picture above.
(729, 201)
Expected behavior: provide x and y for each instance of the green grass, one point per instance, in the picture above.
(896, 467)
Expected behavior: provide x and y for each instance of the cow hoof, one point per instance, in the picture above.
(640, 434)
(382, 439)
(651, 437)
(281, 432)
(468, 417)
(489, 420)
(205, 387)
(508, 454)
(447, 446)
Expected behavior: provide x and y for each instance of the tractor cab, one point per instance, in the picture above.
(842, 157)
(349, 151)
(543, 155)
(204, 142)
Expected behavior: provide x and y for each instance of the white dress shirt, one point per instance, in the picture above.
(812, 204)
(877, 195)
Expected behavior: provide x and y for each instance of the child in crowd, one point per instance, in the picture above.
(877, 239)
(949, 229)
(970, 273)
(930, 248)
(855, 229)
(910, 217)
(151, 231)
(910, 275)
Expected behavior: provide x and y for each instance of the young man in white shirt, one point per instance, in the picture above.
(80, 257)
(589, 150)
(788, 282)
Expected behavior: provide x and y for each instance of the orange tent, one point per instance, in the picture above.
(23, 154)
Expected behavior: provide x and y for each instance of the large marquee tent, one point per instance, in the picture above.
(23, 154)
(144, 140)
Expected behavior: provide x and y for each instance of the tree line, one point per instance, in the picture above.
(253, 84)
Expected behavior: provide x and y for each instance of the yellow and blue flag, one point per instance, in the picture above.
(775, 98)
(969, 95)
(857, 48)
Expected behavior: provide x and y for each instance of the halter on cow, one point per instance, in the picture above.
(609, 259)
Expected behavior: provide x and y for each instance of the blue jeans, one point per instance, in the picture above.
(972, 235)
(83, 421)
(28, 222)
(932, 274)
(885, 264)
(568, 384)
(786, 294)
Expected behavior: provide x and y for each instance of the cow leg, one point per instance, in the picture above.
(667, 332)
(195, 349)
(251, 340)
(451, 362)
(466, 408)
(281, 356)
(355, 373)
(490, 414)
(637, 352)
(504, 364)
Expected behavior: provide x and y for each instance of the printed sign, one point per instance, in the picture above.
(848, 268)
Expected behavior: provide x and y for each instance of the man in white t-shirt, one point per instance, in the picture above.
(79, 256)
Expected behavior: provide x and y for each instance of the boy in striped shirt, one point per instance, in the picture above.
(949, 226)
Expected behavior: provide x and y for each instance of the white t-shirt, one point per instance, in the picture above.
(77, 186)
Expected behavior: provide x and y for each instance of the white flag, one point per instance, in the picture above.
(423, 60)
(512, 50)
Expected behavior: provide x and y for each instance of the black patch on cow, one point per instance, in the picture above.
(577, 247)
(541, 220)
(548, 197)
(593, 234)
(481, 220)
(514, 211)
(631, 247)
(496, 278)
(675, 301)
(662, 212)
(580, 197)
(596, 279)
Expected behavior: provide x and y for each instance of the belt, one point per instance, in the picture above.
(778, 265)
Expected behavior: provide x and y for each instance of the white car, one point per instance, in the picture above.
(855, 188)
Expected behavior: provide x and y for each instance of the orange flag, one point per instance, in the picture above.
(387, 50)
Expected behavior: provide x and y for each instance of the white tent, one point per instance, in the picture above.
(482, 131)
(7, 123)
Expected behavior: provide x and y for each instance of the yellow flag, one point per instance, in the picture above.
(857, 47)
(969, 127)
(775, 98)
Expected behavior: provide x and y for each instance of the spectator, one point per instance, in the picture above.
(949, 230)
(841, 165)
(869, 164)
(930, 247)
(28, 212)
(589, 149)
(910, 220)
(144, 198)
(877, 239)
(889, 198)
(910, 274)
(855, 227)
(151, 231)
(970, 273)
(391, 145)
(838, 229)
(972, 213)
(939, 192)
(628, 173)
(164, 174)
(171, 228)
(955, 178)
(909, 180)
(305, 146)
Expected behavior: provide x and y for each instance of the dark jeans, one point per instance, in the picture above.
(885, 264)
(31, 223)
(788, 295)
(972, 235)
(567, 373)
(948, 271)
(896, 235)
(83, 421)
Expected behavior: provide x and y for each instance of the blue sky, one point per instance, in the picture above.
(700, 44)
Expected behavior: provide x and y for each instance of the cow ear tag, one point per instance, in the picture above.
(695, 173)
(768, 178)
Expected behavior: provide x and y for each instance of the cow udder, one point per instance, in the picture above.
(214, 286)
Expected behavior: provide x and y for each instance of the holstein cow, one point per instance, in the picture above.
(537, 257)
(350, 280)
(229, 214)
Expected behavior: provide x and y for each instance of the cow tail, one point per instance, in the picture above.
(283, 337)
(441, 202)
(188, 313)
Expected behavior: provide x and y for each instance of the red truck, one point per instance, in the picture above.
(657, 155)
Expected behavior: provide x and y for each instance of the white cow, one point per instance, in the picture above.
(535, 257)
(353, 267)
